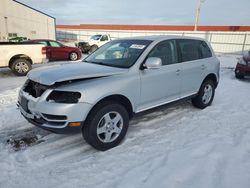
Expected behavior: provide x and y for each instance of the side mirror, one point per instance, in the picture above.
(153, 63)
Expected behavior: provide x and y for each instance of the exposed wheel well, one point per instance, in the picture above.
(19, 56)
(213, 78)
(119, 99)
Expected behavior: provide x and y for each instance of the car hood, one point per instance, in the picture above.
(49, 75)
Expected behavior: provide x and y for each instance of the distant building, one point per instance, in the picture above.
(20, 20)
(224, 39)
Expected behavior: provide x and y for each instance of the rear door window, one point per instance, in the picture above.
(189, 49)
(54, 44)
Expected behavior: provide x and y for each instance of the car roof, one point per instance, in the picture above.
(160, 37)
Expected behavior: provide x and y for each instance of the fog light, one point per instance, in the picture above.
(75, 124)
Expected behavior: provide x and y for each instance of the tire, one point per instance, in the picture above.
(101, 130)
(73, 56)
(205, 95)
(93, 48)
(21, 67)
(239, 76)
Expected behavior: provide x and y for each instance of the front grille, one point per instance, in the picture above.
(35, 89)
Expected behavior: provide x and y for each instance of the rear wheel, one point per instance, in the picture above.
(73, 56)
(21, 67)
(106, 126)
(239, 76)
(205, 95)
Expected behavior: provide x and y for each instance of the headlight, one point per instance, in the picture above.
(64, 97)
(242, 61)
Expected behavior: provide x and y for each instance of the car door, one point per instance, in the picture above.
(159, 86)
(57, 51)
(193, 66)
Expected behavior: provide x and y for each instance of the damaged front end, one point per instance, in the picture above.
(51, 109)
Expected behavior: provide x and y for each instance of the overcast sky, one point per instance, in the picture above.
(152, 12)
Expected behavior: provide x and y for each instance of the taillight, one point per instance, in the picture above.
(44, 50)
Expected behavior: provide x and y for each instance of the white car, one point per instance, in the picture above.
(19, 57)
(123, 77)
(95, 42)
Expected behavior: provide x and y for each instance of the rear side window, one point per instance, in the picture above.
(191, 50)
(205, 50)
(165, 50)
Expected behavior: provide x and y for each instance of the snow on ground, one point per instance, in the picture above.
(172, 146)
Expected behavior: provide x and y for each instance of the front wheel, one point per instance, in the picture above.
(21, 67)
(106, 126)
(205, 95)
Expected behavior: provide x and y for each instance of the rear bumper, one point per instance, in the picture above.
(242, 70)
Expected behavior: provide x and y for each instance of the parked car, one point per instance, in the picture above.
(58, 51)
(20, 57)
(123, 77)
(95, 42)
(18, 39)
(243, 66)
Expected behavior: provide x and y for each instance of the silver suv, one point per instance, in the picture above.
(123, 77)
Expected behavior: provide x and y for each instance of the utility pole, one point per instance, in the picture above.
(198, 10)
(6, 27)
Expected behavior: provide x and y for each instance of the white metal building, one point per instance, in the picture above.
(224, 39)
(20, 20)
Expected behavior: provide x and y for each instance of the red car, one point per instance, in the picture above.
(57, 51)
(243, 66)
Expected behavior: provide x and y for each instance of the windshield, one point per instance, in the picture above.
(119, 53)
(95, 37)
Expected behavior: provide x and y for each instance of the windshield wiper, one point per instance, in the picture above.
(104, 64)
(101, 63)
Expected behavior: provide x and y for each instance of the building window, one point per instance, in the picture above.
(12, 35)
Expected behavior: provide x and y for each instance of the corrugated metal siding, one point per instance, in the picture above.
(222, 41)
(154, 27)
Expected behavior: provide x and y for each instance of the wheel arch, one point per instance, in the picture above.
(212, 77)
(19, 56)
(121, 99)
